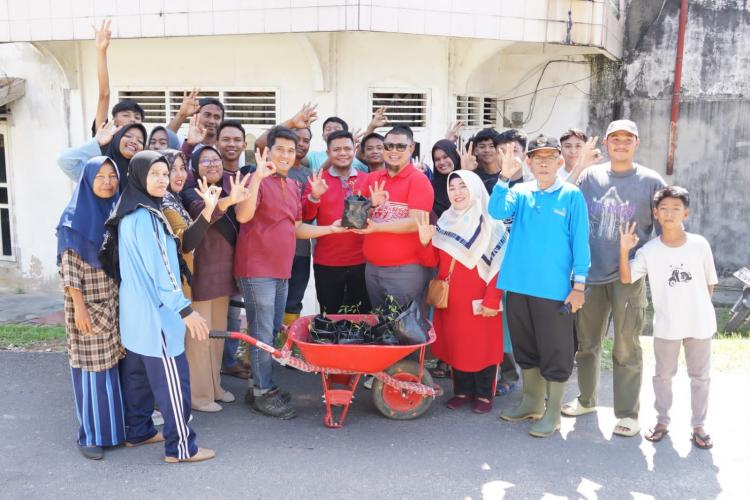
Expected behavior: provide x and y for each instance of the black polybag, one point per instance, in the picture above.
(356, 212)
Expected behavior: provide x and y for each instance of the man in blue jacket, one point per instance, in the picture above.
(544, 275)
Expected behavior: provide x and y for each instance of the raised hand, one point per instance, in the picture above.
(318, 185)
(628, 238)
(106, 132)
(454, 130)
(196, 131)
(189, 105)
(468, 160)
(378, 119)
(511, 164)
(305, 116)
(265, 167)
(209, 195)
(378, 194)
(591, 155)
(102, 35)
(425, 229)
(238, 192)
(357, 135)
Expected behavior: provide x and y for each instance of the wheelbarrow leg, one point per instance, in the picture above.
(338, 390)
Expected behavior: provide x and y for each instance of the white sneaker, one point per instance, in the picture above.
(227, 397)
(211, 407)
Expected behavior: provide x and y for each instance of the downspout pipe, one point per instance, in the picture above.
(676, 88)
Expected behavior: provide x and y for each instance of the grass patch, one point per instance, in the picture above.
(30, 335)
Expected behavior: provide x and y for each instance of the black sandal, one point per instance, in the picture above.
(656, 434)
(442, 370)
(702, 441)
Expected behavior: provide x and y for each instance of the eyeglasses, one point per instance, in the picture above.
(400, 147)
(214, 161)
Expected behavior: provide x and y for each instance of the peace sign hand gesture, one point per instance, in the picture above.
(106, 132)
(378, 194)
(591, 154)
(468, 160)
(628, 238)
(318, 185)
(454, 130)
(265, 167)
(102, 35)
(425, 229)
(511, 164)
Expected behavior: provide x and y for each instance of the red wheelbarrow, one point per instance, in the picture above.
(404, 390)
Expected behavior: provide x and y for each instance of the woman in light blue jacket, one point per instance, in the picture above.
(154, 314)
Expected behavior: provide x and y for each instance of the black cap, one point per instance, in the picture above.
(543, 142)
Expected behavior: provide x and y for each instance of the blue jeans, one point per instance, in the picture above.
(234, 323)
(265, 299)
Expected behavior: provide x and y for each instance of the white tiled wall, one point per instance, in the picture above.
(594, 22)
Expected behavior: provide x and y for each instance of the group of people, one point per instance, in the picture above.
(165, 239)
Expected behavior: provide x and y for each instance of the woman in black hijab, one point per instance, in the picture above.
(128, 141)
(445, 159)
(154, 314)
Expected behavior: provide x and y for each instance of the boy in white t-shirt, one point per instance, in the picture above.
(681, 273)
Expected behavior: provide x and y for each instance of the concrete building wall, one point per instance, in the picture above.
(714, 124)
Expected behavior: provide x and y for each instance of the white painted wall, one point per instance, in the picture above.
(337, 71)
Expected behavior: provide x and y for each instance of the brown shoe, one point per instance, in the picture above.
(156, 438)
(200, 455)
(236, 371)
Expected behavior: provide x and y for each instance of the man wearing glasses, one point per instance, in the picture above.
(391, 243)
(617, 193)
(543, 275)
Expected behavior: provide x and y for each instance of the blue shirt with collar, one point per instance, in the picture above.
(549, 245)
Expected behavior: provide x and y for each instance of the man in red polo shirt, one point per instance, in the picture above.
(338, 261)
(271, 221)
(391, 245)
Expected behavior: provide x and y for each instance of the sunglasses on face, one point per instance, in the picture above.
(400, 147)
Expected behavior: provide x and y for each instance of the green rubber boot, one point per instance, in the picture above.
(532, 403)
(550, 422)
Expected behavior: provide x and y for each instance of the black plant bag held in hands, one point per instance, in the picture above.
(356, 212)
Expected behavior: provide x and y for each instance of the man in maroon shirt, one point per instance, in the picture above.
(338, 263)
(391, 246)
(271, 221)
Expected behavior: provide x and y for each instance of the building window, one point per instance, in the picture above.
(403, 108)
(252, 108)
(6, 231)
(476, 111)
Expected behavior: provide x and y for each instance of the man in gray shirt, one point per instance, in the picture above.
(618, 192)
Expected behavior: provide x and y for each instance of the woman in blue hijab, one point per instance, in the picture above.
(91, 320)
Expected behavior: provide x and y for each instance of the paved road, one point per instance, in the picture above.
(445, 454)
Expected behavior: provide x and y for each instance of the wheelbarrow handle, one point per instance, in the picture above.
(223, 334)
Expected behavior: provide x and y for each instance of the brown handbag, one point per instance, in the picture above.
(437, 290)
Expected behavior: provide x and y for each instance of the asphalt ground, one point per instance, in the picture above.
(443, 454)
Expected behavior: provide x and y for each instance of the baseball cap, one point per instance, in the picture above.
(622, 125)
(542, 142)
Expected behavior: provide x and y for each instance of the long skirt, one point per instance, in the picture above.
(99, 407)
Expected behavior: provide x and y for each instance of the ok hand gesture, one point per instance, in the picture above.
(196, 131)
(318, 185)
(378, 119)
(304, 116)
(209, 195)
(468, 160)
(265, 167)
(425, 229)
(189, 105)
(511, 164)
(237, 191)
(628, 238)
(378, 194)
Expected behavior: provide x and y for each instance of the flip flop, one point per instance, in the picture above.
(656, 434)
(630, 424)
(705, 438)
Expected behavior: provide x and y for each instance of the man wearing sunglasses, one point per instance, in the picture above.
(391, 244)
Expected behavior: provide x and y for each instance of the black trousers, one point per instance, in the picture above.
(542, 336)
(339, 286)
(479, 384)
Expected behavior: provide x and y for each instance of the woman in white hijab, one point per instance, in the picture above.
(470, 330)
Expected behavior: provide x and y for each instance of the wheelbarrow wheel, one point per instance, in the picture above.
(397, 404)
